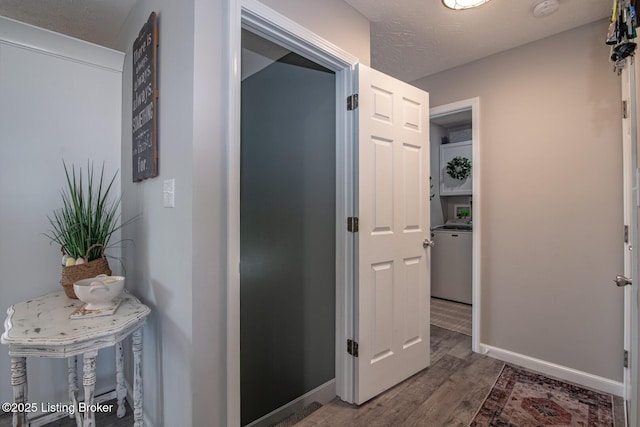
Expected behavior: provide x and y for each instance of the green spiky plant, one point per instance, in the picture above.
(88, 215)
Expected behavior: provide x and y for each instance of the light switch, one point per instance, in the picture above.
(168, 193)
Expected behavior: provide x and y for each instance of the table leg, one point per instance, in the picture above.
(19, 384)
(72, 373)
(89, 383)
(138, 420)
(121, 390)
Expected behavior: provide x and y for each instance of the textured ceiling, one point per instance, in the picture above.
(96, 21)
(409, 38)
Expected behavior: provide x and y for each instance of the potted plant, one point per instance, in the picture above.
(83, 226)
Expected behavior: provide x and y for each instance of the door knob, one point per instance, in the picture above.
(428, 243)
(622, 280)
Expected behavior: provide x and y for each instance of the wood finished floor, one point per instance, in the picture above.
(448, 393)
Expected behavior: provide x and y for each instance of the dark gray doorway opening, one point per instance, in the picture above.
(287, 228)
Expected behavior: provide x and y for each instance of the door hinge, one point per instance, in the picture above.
(625, 109)
(626, 234)
(352, 102)
(352, 348)
(626, 359)
(352, 224)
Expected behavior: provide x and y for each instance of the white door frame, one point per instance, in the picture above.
(442, 110)
(273, 26)
(631, 203)
(633, 294)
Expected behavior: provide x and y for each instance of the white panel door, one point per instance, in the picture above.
(392, 290)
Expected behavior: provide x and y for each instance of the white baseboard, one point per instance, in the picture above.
(558, 371)
(321, 394)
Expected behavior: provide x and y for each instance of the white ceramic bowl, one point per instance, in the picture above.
(99, 295)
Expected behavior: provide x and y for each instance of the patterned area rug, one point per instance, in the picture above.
(524, 399)
(450, 315)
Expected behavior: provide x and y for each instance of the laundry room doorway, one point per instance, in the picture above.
(456, 217)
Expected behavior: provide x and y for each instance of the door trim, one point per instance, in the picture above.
(441, 110)
(273, 26)
(631, 203)
(628, 203)
(633, 295)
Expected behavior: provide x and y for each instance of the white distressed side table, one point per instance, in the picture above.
(41, 328)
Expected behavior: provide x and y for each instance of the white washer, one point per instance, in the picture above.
(451, 262)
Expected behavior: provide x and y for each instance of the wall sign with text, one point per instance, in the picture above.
(145, 102)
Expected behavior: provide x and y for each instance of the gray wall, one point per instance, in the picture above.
(53, 107)
(333, 20)
(287, 234)
(551, 197)
(160, 263)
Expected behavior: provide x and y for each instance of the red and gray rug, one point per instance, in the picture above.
(521, 398)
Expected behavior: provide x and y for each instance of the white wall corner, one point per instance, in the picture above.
(558, 371)
(55, 44)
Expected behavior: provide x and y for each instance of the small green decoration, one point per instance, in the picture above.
(459, 168)
(88, 214)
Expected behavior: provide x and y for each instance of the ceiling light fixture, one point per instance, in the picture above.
(463, 4)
